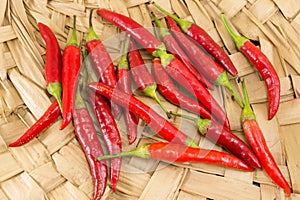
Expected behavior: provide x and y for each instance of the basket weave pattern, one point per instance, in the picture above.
(53, 165)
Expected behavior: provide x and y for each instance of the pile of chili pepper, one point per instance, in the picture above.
(94, 103)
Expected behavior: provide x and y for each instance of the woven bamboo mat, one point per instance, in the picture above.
(53, 165)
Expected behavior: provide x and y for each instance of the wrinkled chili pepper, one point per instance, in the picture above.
(160, 125)
(174, 48)
(70, 72)
(175, 68)
(205, 64)
(87, 137)
(263, 65)
(141, 75)
(53, 63)
(48, 118)
(167, 88)
(110, 134)
(202, 38)
(258, 143)
(101, 61)
(177, 153)
(124, 84)
(220, 135)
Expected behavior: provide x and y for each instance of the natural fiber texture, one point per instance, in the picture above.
(53, 166)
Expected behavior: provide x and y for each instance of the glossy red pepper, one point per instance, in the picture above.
(177, 153)
(53, 63)
(264, 67)
(202, 38)
(124, 84)
(48, 118)
(70, 73)
(160, 125)
(110, 134)
(258, 143)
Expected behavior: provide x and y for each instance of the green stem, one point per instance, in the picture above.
(247, 113)
(163, 32)
(165, 57)
(91, 34)
(123, 64)
(239, 41)
(73, 40)
(55, 89)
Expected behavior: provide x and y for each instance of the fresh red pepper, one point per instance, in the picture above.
(258, 143)
(110, 134)
(70, 72)
(48, 118)
(53, 63)
(177, 153)
(201, 37)
(263, 65)
(160, 125)
(167, 88)
(174, 48)
(102, 62)
(204, 63)
(124, 84)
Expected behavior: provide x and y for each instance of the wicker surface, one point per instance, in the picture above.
(53, 166)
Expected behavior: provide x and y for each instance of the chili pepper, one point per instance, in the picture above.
(124, 84)
(173, 47)
(167, 88)
(44, 122)
(160, 125)
(205, 64)
(141, 75)
(53, 63)
(263, 65)
(258, 143)
(87, 137)
(175, 68)
(222, 136)
(177, 153)
(203, 39)
(110, 134)
(101, 61)
(70, 72)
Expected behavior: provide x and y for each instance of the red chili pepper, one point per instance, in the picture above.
(167, 88)
(102, 62)
(258, 143)
(87, 137)
(205, 64)
(160, 125)
(263, 65)
(48, 118)
(141, 75)
(175, 49)
(201, 37)
(70, 72)
(177, 153)
(110, 134)
(124, 84)
(53, 63)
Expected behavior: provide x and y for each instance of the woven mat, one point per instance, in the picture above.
(53, 166)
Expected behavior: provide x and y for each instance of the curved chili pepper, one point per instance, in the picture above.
(202, 38)
(167, 88)
(87, 137)
(258, 143)
(223, 137)
(110, 134)
(177, 153)
(124, 84)
(160, 125)
(205, 64)
(263, 65)
(173, 47)
(70, 72)
(141, 75)
(48, 118)
(102, 62)
(53, 63)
